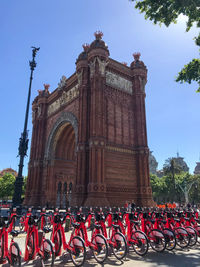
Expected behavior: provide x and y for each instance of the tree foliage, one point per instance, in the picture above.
(167, 12)
(163, 189)
(7, 184)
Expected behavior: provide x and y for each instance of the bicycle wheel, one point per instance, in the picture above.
(139, 243)
(197, 228)
(101, 251)
(119, 248)
(157, 240)
(170, 239)
(1, 248)
(31, 246)
(182, 237)
(15, 255)
(193, 235)
(77, 251)
(57, 242)
(49, 255)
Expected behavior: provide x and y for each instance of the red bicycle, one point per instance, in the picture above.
(98, 243)
(155, 236)
(37, 245)
(13, 253)
(116, 239)
(75, 247)
(136, 238)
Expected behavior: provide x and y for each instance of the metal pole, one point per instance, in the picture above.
(23, 141)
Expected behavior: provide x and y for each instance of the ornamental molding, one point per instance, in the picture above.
(65, 98)
(119, 82)
(102, 66)
(92, 67)
(118, 97)
(64, 118)
(143, 82)
(121, 150)
(79, 77)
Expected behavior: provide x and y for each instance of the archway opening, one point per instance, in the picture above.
(64, 155)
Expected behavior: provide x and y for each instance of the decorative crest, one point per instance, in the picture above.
(86, 47)
(136, 56)
(46, 87)
(125, 63)
(62, 82)
(98, 35)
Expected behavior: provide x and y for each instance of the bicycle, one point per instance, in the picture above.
(136, 238)
(13, 253)
(75, 247)
(36, 244)
(98, 243)
(155, 236)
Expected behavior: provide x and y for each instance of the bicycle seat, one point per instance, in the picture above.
(176, 220)
(14, 233)
(163, 221)
(153, 221)
(197, 220)
(46, 230)
(97, 226)
(115, 226)
(75, 225)
(187, 219)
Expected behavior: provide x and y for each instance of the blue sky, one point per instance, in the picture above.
(60, 28)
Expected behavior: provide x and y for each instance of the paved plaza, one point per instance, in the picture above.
(176, 258)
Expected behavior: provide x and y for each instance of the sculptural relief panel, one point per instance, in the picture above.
(65, 98)
(118, 82)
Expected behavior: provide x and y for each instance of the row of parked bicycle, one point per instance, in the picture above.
(138, 229)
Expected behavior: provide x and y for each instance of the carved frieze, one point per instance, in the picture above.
(65, 98)
(118, 82)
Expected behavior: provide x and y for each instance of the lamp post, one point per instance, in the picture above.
(23, 141)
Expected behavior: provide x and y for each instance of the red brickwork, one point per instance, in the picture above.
(90, 133)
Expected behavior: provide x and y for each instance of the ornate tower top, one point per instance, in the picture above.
(136, 56)
(98, 35)
(86, 47)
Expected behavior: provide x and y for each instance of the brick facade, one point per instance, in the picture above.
(90, 133)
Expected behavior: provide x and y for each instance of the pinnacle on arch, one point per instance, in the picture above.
(98, 35)
(136, 56)
(86, 47)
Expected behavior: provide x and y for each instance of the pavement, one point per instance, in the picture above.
(177, 258)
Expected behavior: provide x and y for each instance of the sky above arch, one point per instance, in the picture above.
(60, 28)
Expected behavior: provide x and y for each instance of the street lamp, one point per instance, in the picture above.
(23, 141)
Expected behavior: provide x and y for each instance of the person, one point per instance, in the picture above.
(132, 206)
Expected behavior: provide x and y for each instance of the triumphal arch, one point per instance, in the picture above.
(89, 139)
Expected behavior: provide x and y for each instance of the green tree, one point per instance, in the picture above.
(7, 186)
(167, 12)
(171, 166)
